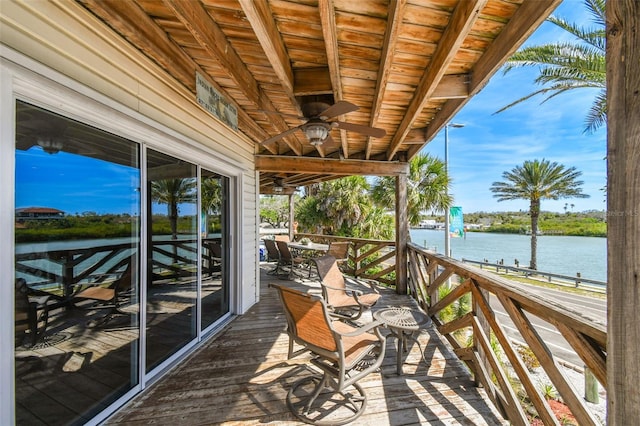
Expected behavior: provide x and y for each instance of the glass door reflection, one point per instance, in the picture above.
(215, 247)
(172, 262)
(77, 245)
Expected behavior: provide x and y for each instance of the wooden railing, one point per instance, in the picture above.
(371, 259)
(59, 272)
(474, 334)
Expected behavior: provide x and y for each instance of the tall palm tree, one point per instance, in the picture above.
(173, 192)
(427, 188)
(343, 200)
(535, 181)
(566, 66)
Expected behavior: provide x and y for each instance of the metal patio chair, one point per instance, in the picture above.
(339, 250)
(288, 260)
(112, 297)
(343, 354)
(345, 303)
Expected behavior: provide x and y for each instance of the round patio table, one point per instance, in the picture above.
(403, 323)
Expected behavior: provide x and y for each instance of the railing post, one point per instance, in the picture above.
(484, 324)
(67, 276)
(590, 386)
(578, 276)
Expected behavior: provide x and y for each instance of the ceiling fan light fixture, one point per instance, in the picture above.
(50, 145)
(316, 133)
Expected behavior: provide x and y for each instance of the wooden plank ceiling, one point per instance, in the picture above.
(408, 65)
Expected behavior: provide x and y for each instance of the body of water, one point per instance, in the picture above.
(558, 254)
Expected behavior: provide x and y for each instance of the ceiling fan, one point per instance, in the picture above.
(52, 134)
(317, 128)
(279, 185)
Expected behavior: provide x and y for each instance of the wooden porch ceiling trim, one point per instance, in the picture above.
(262, 22)
(327, 166)
(129, 19)
(329, 32)
(396, 8)
(207, 32)
(464, 16)
(409, 66)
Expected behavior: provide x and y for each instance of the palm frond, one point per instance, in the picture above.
(568, 66)
(597, 116)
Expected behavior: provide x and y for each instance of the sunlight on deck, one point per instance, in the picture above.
(242, 376)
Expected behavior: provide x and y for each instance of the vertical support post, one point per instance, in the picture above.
(623, 213)
(291, 206)
(402, 233)
(447, 235)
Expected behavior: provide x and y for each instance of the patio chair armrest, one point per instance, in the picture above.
(364, 329)
(348, 291)
(371, 283)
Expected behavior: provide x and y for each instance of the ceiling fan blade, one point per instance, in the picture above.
(329, 142)
(365, 130)
(339, 108)
(280, 136)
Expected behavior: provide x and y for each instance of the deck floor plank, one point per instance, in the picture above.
(242, 376)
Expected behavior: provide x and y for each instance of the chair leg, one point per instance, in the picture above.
(339, 413)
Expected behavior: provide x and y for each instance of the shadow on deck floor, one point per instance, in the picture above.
(242, 376)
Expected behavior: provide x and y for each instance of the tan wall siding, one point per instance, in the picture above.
(64, 37)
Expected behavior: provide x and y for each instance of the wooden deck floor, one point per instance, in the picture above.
(242, 376)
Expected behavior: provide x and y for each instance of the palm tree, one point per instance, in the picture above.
(343, 207)
(535, 181)
(565, 66)
(427, 188)
(343, 200)
(211, 189)
(173, 192)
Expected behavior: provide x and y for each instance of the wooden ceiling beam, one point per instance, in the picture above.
(524, 22)
(452, 86)
(312, 81)
(330, 35)
(396, 11)
(211, 37)
(264, 25)
(462, 20)
(129, 19)
(326, 166)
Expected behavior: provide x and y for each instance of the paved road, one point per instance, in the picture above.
(591, 307)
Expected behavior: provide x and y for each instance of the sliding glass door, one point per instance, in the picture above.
(77, 245)
(172, 261)
(81, 252)
(215, 247)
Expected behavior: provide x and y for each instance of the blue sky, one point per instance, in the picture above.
(491, 144)
(75, 184)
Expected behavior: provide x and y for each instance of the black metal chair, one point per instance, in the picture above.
(289, 260)
(273, 255)
(31, 315)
